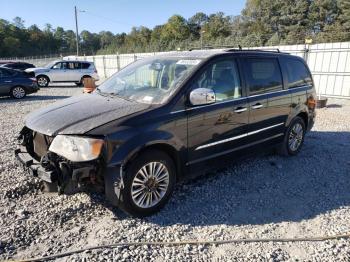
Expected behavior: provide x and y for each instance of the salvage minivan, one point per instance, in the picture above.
(167, 118)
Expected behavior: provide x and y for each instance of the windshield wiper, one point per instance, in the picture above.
(112, 95)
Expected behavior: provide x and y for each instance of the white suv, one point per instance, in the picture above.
(65, 71)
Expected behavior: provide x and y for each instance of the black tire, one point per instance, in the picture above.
(127, 203)
(287, 148)
(43, 81)
(18, 92)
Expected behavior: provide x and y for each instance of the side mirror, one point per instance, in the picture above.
(202, 96)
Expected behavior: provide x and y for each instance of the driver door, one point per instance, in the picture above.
(57, 72)
(220, 128)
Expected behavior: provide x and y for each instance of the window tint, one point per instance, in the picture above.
(6, 73)
(223, 78)
(297, 73)
(263, 75)
(85, 65)
(74, 65)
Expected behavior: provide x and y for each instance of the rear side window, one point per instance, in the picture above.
(85, 65)
(298, 74)
(6, 73)
(73, 65)
(263, 75)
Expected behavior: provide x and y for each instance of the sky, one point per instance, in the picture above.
(111, 15)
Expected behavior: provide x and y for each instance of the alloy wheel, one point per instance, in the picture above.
(42, 81)
(296, 137)
(18, 92)
(150, 184)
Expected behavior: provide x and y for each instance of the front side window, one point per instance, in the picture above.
(297, 73)
(223, 78)
(263, 75)
(57, 66)
(151, 80)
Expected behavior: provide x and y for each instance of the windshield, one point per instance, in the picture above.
(49, 65)
(149, 81)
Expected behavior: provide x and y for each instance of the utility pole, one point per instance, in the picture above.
(76, 29)
(202, 32)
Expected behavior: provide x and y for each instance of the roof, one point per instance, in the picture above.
(211, 52)
(72, 61)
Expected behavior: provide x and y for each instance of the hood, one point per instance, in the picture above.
(37, 69)
(80, 114)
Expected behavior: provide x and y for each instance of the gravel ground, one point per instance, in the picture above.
(260, 197)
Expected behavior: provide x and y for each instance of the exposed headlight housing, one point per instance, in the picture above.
(75, 148)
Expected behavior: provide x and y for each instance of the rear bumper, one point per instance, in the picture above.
(33, 167)
(32, 89)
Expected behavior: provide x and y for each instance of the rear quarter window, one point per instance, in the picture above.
(85, 65)
(297, 73)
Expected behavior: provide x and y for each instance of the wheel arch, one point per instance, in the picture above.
(163, 147)
(39, 75)
(303, 115)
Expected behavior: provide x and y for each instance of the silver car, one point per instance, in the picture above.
(65, 71)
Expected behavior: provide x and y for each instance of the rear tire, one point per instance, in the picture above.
(293, 138)
(149, 182)
(43, 81)
(18, 92)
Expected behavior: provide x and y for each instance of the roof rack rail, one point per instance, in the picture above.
(215, 47)
(276, 50)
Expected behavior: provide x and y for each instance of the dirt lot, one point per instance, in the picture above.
(261, 197)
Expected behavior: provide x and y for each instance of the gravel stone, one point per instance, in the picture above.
(264, 196)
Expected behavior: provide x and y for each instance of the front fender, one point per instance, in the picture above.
(137, 142)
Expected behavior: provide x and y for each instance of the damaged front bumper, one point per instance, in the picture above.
(66, 175)
(34, 167)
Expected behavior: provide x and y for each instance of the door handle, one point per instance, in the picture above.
(240, 109)
(257, 106)
(9, 81)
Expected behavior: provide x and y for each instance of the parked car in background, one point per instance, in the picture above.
(16, 83)
(18, 65)
(64, 71)
(167, 118)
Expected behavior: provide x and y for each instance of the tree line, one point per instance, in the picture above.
(261, 22)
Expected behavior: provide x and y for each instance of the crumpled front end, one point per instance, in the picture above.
(64, 176)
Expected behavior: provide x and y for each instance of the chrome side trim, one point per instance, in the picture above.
(233, 150)
(218, 103)
(237, 137)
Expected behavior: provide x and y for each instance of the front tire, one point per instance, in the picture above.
(18, 92)
(293, 138)
(149, 182)
(43, 81)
